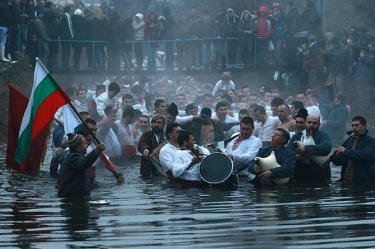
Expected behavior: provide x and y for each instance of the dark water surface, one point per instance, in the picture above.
(152, 214)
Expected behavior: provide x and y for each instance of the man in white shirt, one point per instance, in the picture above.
(170, 149)
(81, 102)
(185, 163)
(125, 134)
(311, 109)
(108, 98)
(267, 125)
(222, 113)
(244, 148)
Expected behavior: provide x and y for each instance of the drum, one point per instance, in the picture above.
(216, 168)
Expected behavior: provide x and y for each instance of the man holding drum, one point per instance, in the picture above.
(244, 148)
(185, 162)
(168, 150)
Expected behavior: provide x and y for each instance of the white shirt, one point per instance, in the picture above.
(166, 156)
(228, 119)
(184, 120)
(314, 110)
(110, 140)
(225, 87)
(181, 161)
(266, 129)
(245, 152)
(80, 106)
(102, 101)
(125, 137)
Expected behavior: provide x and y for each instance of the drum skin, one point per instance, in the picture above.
(216, 168)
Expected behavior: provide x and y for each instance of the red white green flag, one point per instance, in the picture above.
(46, 97)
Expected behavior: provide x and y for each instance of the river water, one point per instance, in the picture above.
(153, 214)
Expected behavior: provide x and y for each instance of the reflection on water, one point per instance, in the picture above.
(152, 214)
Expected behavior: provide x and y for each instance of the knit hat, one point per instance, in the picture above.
(172, 109)
(74, 140)
(230, 10)
(264, 9)
(302, 113)
(285, 131)
(206, 112)
(227, 75)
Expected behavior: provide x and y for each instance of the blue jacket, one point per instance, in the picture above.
(74, 181)
(284, 156)
(363, 158)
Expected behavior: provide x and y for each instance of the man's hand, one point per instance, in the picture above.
(121, 179)
(265, 175)
(145, 153)
(99, 148)
(301, 150)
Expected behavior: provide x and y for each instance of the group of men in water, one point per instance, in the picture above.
(172, 140)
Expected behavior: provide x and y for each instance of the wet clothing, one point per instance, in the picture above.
(285, 157)
(305, 170)
(362, 157)
(74, 181)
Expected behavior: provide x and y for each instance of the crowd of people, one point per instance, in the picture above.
(197, 39)
(169, 132)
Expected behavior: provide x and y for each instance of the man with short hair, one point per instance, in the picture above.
(149, 141)
(267, 125)
(253, 99)
(286, 121)
(191, 109)
(243, 148)
(356, 155)
(127, 100)
(307, 170)
(185, 163)
(311, 109)
(81, 102)
(181, 104)
(170, 149)
(160, 107)
(125, 133)
(143, 125)
(275, 103)
(295, 106)
(222, 113)
(208, 101)
(245, 90)
(108, 98)
(107, 134)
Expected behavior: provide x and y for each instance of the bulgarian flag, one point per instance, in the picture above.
(46, 97)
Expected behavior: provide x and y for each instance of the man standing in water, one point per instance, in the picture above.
(149, 141)
(285, 157)
(321, 146)
(74, 181)
(356, 155)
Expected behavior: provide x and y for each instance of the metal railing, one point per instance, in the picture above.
(215, 43)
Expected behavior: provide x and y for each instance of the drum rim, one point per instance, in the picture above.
(224, 179)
